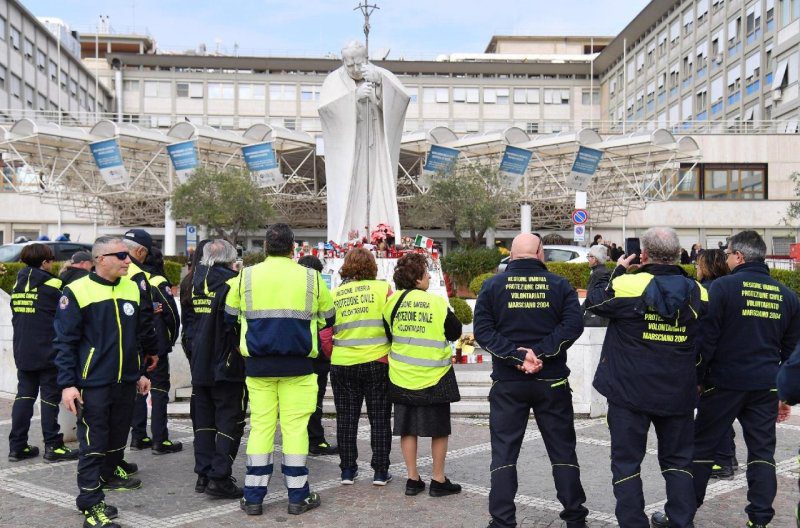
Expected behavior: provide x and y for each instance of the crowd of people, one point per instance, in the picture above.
(98, 340)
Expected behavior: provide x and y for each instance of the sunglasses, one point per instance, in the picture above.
(121, 255)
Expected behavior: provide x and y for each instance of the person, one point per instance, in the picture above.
(789, 393)
(79, 265)
(99, 334)
(753, 325)
(140, 246)
(685, 259)
(712, 265)
(219, 395)
(317, 444)
(185, 291)
(422, 380)
(647, 373)
(33, 308)
(598, 241)
(362, 109)
(359, 365)
(598, 272)
(527, 318)
(695, 252)
(280, 307)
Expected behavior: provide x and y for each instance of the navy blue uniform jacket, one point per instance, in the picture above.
(527, 306)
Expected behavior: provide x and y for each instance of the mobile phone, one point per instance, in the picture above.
(78, 410)
(633, 246)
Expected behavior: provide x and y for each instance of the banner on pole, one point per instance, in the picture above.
(184, 159)
(583, 169)
(439, 159)
(191, 238)
(514, 165)
(108, 158)
(261, 161)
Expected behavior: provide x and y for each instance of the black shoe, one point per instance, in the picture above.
(138, 444)
(414, 487)
(120, 481)
(349, 476)
(323, 448)
(751, 524)
(95, 517)
(26, 452)
(200, 485)
(111, 511)
(381, 478)
(167, 446)
(59, 453)
(441, 489)
(311, 502)
(224, 489)
(251, 508)
(129, 467)
(659, 520)
(722, 472)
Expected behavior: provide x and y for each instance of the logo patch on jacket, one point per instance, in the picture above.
(63, 302)
(143, 285)
(128, 309)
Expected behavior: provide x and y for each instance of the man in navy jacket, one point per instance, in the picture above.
(527, 318)
(647, 373)
(752, 327)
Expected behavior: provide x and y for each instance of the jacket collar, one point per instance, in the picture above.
(752, 267)
(662, 269)
(100, 280)
(526, 264)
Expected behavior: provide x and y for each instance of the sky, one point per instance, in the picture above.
(412, 29)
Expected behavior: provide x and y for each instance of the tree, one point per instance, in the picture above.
(467, 198)
(793, 213)
(227, 202)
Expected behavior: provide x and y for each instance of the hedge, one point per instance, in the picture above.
(462, 310)
(251, 259)
(477, 283)
(172, 270)
(180, 259)
(463, 265)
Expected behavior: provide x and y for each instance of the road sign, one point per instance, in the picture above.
(579, 233)
(191, 238)
(580, 216)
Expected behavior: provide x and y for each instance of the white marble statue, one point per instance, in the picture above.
(362, 108)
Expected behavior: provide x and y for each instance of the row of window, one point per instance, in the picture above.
(34, 100)
(289, 92)
(721, 182)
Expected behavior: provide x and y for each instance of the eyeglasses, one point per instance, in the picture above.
(121, 255)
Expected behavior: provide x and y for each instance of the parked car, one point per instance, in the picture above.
(62, 250)
(570, 254)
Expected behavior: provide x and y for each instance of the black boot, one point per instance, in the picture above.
(95, 517)
(312, 501)
(414, 487)
(167, 446)
(201, 484)
(26, 452)
(120, 481)
(141, 443)
(224, 489)
(59, 453)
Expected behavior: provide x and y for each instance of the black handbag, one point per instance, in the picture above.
(445, 390)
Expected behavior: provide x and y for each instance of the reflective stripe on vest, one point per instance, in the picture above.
(420, 362)
(280, 313)
(366, 323)
(359, 336)
(418, 341)
(360, 342)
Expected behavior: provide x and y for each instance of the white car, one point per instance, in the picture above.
(570, 254)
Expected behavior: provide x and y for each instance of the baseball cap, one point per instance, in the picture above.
(141, 237)
(80, 256)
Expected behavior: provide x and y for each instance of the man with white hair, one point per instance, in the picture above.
(647, 373)
(598, 254)
(362, 109)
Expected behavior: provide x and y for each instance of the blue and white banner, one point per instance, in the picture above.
(108, 157)
(191, 238)
(184, 159)
(440, 159)
(515, 164)
(260, 159)
(583, 169)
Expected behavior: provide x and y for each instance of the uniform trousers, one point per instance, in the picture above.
(218, 416)
(29, 384)
(159, 398)
(316, 433)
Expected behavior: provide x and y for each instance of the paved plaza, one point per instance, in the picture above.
(38, 494)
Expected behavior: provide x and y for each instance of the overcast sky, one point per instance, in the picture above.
(408, 28)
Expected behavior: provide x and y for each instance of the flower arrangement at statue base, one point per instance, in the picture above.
(381, 242)
(465, 350)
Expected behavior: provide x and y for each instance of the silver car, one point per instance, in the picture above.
(570, 254)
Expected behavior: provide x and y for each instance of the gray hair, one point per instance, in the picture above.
(218, 251)
(600, 252)
(101, 243)
(131, 245)
(353, 46)
(749, 244)
(662, 245)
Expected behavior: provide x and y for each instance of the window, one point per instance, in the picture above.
(770, 19)
(674, 32)
(688, 69)
(73, 87)
(310, 93)
(435, 95)
(753, 22)
(221, 91)
(688, 21)
(734, 85)
(556, 96)
(159, 89)
(290, 123)
(252, 92)
(674, 79)
(640, 60)
(282, 92)
(734, 36)
(532, 127)
(2, 28)
(130, 86)
(41, 60)
(467, 95)
(702, 58)
(28, 50)
(53, 70)
(686, 108)
(716, 5)
(30, 96)
(700, 104)
(15, 37)
(413, 91)
(717, 94)
(629, 70)
(82, 97)
(752, 72)
(716, 49)
(16, 86)
(189, 90)
(3, 73)
(686, 183)
(650, 59)
(64, 80)
(662, 86)
(780, 245)
(589, 97)
(734, 182)
(662, 42)
(790, 10)
(702, 11)
(495, 96)
(527, 95)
